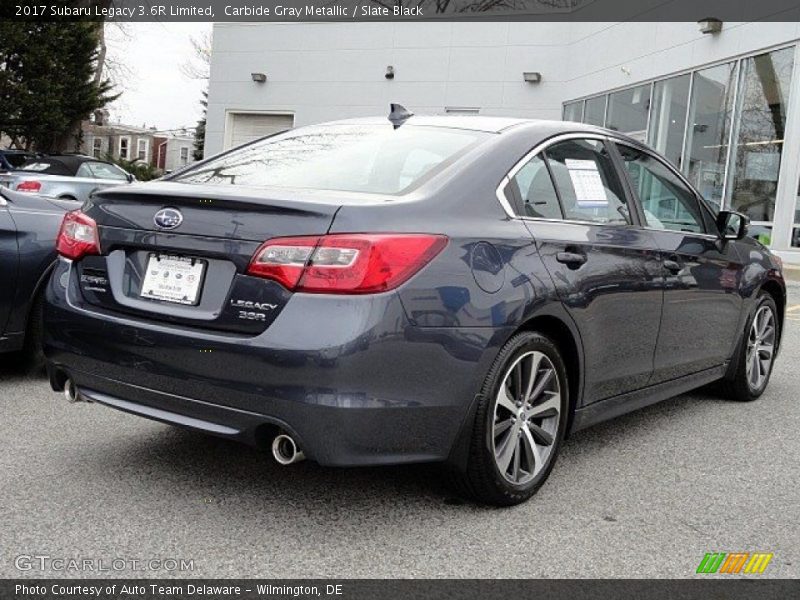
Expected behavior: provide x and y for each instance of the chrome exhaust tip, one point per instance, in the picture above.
(285, 451)
(71, 391)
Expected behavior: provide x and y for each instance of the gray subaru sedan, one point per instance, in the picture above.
(462, 290)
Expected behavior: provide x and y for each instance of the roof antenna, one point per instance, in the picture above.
(399, 114)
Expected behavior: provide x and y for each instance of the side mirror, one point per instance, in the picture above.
(732, 225)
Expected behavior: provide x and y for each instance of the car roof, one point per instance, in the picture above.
(483, 123)
(66, 163)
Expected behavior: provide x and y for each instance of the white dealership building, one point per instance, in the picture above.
(724, 105)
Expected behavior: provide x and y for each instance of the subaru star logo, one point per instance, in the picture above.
(168, 218)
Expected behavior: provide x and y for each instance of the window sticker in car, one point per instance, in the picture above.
(589, 189)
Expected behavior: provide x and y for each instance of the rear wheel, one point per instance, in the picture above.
(519, 423)
(756, 355)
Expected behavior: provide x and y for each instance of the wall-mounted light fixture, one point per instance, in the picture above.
(710, 25)
(258, 77)
(389, 72)
(532, 77)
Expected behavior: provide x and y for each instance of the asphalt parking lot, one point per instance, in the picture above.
(646, 495)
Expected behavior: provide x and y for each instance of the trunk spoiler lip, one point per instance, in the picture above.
(306, 200)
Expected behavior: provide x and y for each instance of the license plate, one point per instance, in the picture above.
(176, 279)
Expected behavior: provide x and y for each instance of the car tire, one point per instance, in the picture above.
(32, 351)
(744, 383)
(513, 409)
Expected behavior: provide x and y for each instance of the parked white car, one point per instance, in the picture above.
(65, 176)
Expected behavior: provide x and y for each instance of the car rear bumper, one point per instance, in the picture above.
(349, 377)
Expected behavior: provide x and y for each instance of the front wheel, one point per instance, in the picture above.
(756, 356)
(519, 423)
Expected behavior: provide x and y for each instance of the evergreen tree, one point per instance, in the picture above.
(47, 82)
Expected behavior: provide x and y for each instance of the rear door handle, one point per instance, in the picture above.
(574, 259)
(672, 266)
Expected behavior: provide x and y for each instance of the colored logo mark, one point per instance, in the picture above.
(735, 562)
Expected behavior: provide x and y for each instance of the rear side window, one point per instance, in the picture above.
(666, 201)
(105, 171)
(587, 182)
(535, 191)
(355, 158)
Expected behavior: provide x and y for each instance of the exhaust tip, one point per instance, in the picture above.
(284, 450)
(71, 391)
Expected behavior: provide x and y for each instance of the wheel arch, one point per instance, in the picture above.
(568, 343)
(778, 293)
(565, 336)
(38, 289)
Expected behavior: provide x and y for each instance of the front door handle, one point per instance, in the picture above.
(573, 259)
(673, 266)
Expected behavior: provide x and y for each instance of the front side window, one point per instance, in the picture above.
(534, 190)
(356, 158)
(587, 182)
(667, 203)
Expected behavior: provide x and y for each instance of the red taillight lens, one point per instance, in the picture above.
(77, 236)
(283, 259)
(345, 263)
(29, 186)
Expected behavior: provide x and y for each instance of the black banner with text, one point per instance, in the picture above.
(408, 10)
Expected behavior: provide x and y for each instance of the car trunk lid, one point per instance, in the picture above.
(191, 268)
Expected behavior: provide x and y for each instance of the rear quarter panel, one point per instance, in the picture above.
(37, 221)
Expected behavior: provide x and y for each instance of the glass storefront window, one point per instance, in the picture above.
(668, 117)
(710, 114)
(628, 110)
(795, 241)
(574, 111)
(594, 112)
(760, 129)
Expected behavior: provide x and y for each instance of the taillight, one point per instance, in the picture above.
(29, 186)
(357, 263)
(77, 236)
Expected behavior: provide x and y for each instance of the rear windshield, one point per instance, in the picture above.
(17, 160)
(45, 166)
(353, 158)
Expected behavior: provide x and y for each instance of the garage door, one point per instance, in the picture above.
(246, 127)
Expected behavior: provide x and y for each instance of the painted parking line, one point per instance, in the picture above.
(795, 308)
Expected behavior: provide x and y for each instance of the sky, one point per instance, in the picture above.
(154, 90)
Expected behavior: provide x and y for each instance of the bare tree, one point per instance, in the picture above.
(199, 65)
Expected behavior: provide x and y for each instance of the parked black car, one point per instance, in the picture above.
(28, 230)
(463, 290)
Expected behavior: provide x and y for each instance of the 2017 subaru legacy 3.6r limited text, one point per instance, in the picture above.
(457, 289)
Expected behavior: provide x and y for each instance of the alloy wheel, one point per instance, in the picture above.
(526, 417)
(760, 347)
